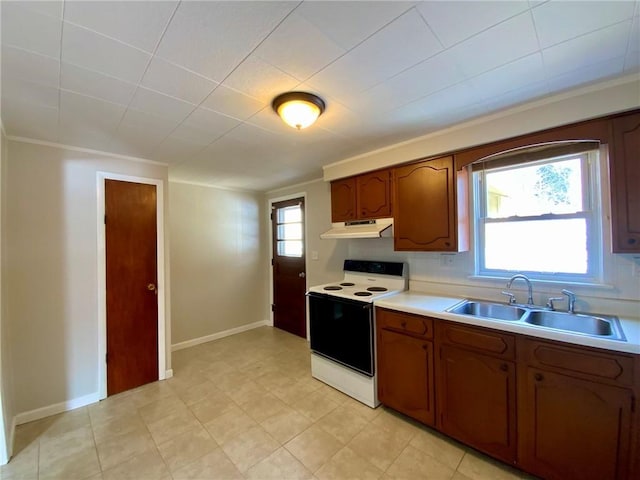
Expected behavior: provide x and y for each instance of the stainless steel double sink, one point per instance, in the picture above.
(601, 326)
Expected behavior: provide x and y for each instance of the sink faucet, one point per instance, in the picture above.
(571, 297)
(529, 287)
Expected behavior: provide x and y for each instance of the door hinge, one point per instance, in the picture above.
(273, 307)
(105, 218)
(272, 261)
(106, 358)
(271, 216)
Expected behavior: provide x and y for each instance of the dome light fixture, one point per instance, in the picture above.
(298, 109)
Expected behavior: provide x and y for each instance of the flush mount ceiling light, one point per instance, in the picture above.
(298, 109)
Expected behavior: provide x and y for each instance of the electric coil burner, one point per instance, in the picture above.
(342, 328)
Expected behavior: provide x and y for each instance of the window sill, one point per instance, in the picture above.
(564, 283)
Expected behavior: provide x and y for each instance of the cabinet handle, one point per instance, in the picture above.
(539, 377)
(631, 241)
(504, 367)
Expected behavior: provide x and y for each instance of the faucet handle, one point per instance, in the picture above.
(571, 298)
(550, 304)
(512, 297)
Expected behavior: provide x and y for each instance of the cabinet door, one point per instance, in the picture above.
(625, 178)
(374, 195)
(343, 200)
(477, 401)
(573, 428)
(405, 375)
(424, 206)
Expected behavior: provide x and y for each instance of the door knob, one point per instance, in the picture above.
(302, 275)
(151, 287)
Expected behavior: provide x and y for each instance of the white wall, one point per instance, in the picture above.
(217, 261)
(6, 376)
(331, 253)
(51, 278)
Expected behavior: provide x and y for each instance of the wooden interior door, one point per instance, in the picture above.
(131, 279)
(289, 282)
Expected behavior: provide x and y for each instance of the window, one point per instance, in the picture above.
(540, 218)
(289, 241)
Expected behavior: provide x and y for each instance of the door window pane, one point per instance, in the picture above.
(289, 234)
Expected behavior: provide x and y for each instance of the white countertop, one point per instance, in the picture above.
(435, 306)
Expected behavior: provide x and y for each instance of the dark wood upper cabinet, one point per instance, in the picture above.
(343, 200)
(374, 194)
(363, 197)
(624, 166)
(426, 199)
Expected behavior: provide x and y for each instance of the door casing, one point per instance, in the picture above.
(269, 209)
(163, 373)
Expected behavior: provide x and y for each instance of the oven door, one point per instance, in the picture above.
(342, 330)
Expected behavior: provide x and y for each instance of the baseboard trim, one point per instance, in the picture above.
(38, 413)
(168, 374)
(215, 336)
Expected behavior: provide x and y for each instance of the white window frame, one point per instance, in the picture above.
(592, 212)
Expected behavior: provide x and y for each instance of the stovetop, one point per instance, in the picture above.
(366, 281)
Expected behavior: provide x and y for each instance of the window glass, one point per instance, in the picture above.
(289, 235)
(539, 218)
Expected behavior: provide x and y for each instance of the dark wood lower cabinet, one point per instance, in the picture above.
(574, 417)
(405, 375)
(573, 428)
(477, 401)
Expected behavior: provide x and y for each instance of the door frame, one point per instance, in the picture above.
(306, 257)
(102, 276)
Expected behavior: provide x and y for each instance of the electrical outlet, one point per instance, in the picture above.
(447, 259)
(635, 267)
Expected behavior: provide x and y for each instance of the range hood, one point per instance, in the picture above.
(380, 227)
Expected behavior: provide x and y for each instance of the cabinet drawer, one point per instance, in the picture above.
(584, 362)
(405, 322)
(480, 339)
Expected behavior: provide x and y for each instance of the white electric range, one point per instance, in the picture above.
(342, 329)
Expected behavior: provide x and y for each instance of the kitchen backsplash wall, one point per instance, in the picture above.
(451, 274)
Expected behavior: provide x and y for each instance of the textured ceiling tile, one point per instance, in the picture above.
(349, 23)
(95, 84)
(177, 82)
(453, 22)
(595, 47)
(260, 80)
(24, 65)
(559, 21)
(29, 120)
(137, 23)
(30, 92)
(211, 121)
(76, 108)
(232, 103)
(52, 8)
(497, 46)
(161, 105)
(101, 54)
(30, 30)
(175, 150)
(586, 74)
(508, 77)
(299, 48)
(429, 76)
(211, 38)
(146, 122)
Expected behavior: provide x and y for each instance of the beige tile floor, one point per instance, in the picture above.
(243, 407)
